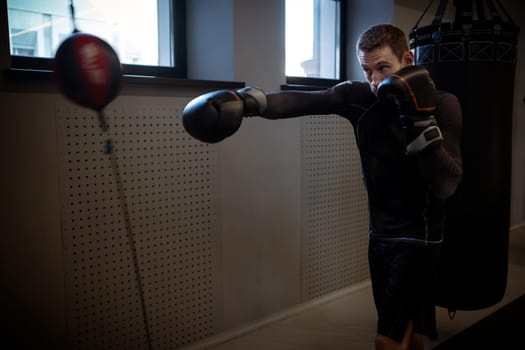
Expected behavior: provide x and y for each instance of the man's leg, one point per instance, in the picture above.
(417, 342)
(385, 343)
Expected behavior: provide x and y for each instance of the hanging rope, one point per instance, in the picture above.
(109, 150)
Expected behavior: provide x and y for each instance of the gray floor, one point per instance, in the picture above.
(347, 321)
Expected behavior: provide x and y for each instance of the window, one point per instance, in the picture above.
(148, 35)
(314, 36)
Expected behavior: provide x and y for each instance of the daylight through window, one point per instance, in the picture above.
(139, 31)
(313, 36)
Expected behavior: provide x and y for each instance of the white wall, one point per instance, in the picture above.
(361, 15)
(261, 179)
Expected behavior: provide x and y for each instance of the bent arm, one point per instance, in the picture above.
(442, 166)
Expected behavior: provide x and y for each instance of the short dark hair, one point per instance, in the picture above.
(383, 35)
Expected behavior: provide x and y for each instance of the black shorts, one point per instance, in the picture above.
(404, 286)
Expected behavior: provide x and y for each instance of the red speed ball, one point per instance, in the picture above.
(87, 71)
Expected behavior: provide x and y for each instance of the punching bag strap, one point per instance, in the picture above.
(422, 15)
(480, 10)
(459, 12)
(438, 18)
(493, 12)
(73, 17)
(509, 18)
(467, 12)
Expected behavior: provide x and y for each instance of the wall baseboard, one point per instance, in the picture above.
(518, 227)
(516, 232)
(229, 335)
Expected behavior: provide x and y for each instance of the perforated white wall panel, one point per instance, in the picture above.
(172, 190)
(170, 183)
(335, 207)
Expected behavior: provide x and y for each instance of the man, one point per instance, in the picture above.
(409, 142)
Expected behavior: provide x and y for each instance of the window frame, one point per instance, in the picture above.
(309, 83)
(178, 37)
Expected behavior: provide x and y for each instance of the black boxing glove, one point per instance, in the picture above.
(412, 91)
(214, 116)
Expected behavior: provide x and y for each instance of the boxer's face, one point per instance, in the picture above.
(379, 63)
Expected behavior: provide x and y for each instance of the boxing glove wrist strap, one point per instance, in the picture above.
(429, 136)
(255, 102)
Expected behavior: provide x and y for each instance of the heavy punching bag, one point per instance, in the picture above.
(474, 57)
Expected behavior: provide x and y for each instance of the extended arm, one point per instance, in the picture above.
(217, 115)
(289, 104)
